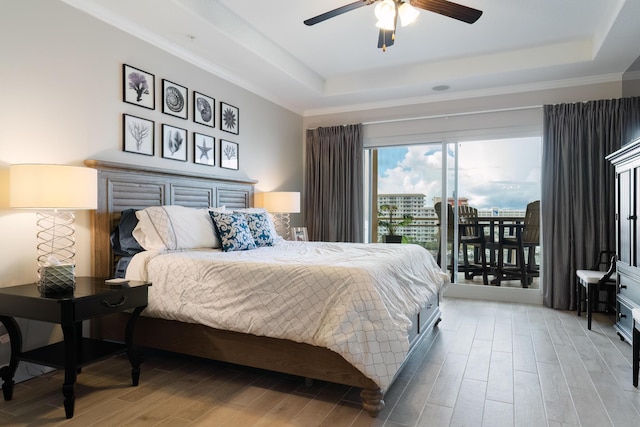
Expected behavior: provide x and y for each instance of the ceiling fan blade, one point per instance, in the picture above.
(450, 9)
(385, 39)
(336, 12)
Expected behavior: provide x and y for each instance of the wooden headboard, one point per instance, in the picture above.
(122, 186)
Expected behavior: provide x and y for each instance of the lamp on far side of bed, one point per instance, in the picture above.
(55, 192)
(281, 204)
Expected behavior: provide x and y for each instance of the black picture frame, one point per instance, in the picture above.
(229, 154)
(229, 118)
(175, 99)
(138, 135)
(138, 87)
(204, 109)
(204, 149)
(174, 143)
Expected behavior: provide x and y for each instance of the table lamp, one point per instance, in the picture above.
(281, 204)
(55, 192)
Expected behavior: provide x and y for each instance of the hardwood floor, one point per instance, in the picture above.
(487, 364)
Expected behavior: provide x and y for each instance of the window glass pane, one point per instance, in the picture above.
(408, 179)
(497, 177)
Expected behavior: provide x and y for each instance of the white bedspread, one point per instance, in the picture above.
(355, 299)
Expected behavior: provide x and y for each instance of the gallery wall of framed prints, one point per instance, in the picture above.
(138, 132)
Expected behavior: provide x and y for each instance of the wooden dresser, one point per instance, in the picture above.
(627, 168)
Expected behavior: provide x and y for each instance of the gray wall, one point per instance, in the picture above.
(61, 85)
(631, 80)
(61, 80)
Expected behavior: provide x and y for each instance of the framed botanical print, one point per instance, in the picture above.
(229, 118)
(229, 154)
(174, 99)
(203, 109)
(204, 152)
(137, 135)
(138, 87)
(174, 143)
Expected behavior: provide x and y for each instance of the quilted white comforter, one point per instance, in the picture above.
(355, 299)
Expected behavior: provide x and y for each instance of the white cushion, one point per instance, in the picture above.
(636, 316)
(168, 228)
(590, 276)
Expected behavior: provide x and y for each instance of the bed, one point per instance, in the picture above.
(265, 341)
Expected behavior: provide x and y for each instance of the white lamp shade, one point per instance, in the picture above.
(39, 186)
(407, 13)
(281, 201)
(385, 10)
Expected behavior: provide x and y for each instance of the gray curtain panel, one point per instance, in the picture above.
(578, 198)
(334, 203)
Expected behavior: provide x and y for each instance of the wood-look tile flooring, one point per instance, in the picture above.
(487, 364)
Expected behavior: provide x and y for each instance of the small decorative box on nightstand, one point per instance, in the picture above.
(56, 279)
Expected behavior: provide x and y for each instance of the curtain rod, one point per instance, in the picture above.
(440, 116)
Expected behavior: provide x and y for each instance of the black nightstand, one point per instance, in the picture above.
(91, 298)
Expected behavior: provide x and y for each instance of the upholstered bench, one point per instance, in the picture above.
(636, 345)
(592, 281)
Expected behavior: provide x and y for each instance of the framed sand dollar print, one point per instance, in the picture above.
(174, 99)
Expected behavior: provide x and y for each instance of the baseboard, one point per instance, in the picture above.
(494, 293)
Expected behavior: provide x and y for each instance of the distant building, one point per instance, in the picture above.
(425, 220)
(501, 212)
(423, 228)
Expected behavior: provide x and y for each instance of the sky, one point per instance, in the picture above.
(493, 174)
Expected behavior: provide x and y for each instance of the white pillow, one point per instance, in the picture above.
(272, 226)
(168, 228)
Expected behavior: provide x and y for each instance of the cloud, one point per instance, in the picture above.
(501, 173)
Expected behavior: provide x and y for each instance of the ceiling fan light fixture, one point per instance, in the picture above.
(407, 13)
(385, 10)
(386, 24)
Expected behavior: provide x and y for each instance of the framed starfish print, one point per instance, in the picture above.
(204, 149)
(229, 118)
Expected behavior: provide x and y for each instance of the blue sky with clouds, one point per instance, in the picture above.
(493, 174)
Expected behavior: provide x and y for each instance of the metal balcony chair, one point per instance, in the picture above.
(525, 239)
(470, 235)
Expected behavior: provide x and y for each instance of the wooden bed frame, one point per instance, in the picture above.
(123, 187)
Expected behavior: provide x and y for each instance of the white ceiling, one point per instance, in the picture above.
(263, 46)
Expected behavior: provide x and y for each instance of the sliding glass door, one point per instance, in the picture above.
(405, 182)
(496, 179)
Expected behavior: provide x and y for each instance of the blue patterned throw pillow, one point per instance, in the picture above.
(260, 228)
(233, 231)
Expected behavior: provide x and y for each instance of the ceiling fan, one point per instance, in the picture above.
(387, 12)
